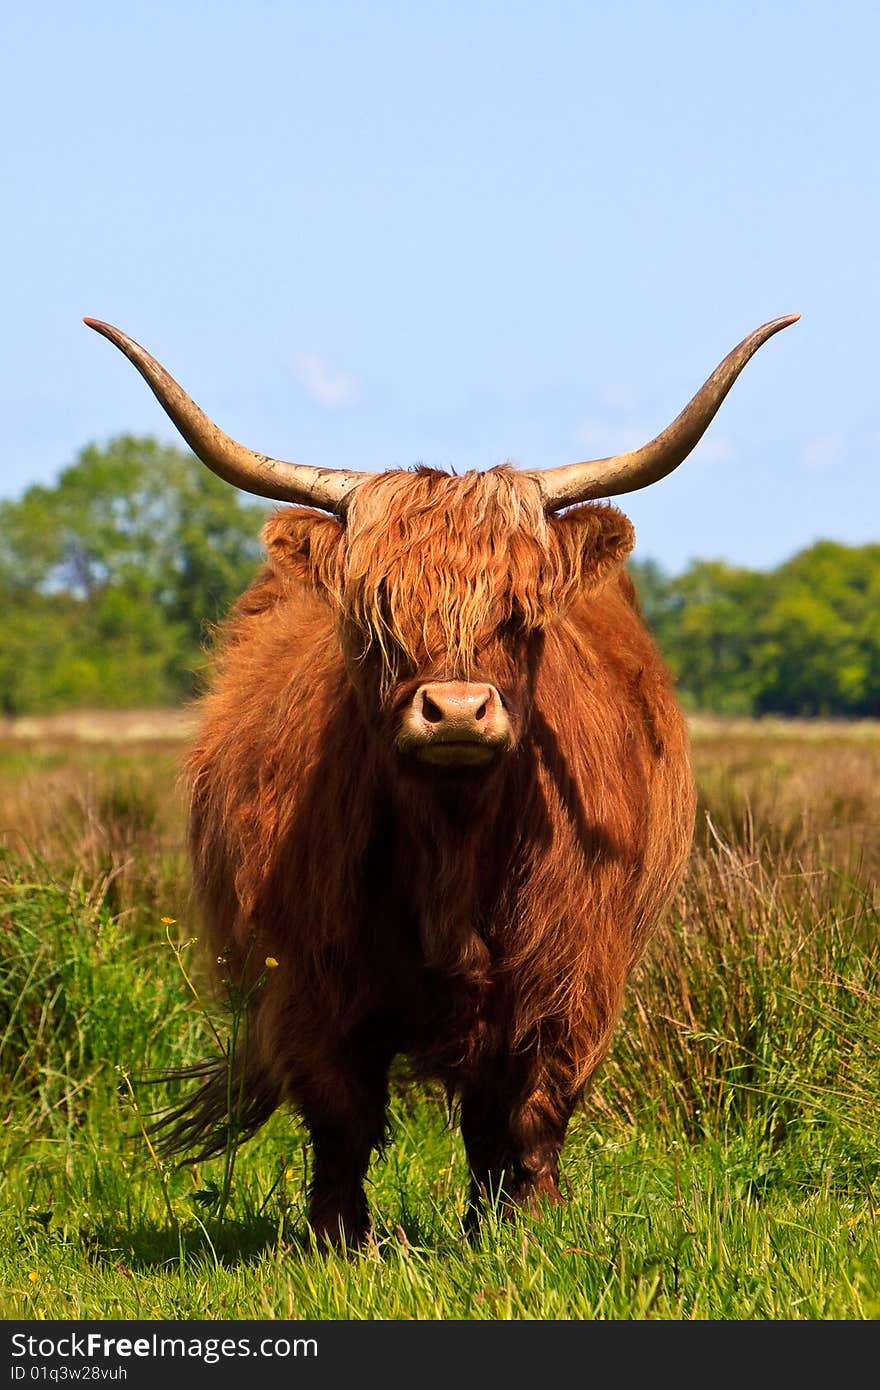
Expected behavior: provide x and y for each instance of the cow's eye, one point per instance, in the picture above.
(512, 628)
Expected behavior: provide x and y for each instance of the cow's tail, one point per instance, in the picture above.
(229, 1103)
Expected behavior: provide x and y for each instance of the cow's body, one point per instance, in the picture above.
(480, 921)
(440, 797)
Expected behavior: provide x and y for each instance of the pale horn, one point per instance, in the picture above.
(580, 482)
(328, 488)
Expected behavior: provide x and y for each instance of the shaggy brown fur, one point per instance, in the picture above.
(480, 921)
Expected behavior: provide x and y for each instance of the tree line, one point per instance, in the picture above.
(802, 639)
(112, 578)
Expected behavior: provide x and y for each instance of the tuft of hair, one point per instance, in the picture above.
(417, 588)
(223, 1108)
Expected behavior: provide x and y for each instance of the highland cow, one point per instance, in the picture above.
(443, 781)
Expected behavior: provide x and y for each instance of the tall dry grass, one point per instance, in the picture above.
(103, 813)
(757, 1007)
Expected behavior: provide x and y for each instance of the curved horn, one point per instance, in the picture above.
(330, 488)
(579, 482)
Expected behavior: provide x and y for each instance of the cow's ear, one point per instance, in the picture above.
(594, 540)
(305, 544)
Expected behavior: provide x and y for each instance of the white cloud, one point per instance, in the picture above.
(822, 451)
(618, 396)
(601, 439)
(715, 449)
(324, 383)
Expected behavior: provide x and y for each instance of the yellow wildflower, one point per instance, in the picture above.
(271, 962)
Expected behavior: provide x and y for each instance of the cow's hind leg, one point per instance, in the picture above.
(346, 1114)
(513, 1123)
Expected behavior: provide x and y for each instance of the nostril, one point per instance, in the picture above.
(430, 711)
(480, 712)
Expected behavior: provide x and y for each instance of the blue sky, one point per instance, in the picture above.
(373, 234)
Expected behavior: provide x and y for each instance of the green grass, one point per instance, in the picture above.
(725, 1166)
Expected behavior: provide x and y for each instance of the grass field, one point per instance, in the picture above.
(725, 1166)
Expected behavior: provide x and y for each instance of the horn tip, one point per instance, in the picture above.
(98, 325)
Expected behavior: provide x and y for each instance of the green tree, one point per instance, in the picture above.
(712, 646)
(820, 638)
(803, 639)
(111, 576)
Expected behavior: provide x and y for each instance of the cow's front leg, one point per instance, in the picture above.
(338, 1212)
(513, 1121)
(346, 1115)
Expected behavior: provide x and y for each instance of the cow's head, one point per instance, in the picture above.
(442, 585)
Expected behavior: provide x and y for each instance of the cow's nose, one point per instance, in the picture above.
(453, 707)
(455, 721)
